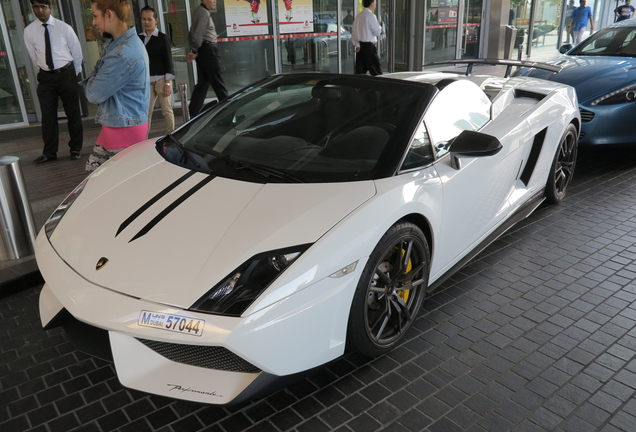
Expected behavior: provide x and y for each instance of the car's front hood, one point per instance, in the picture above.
(591, 76)
(160, 237)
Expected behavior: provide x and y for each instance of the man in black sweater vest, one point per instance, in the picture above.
(161, 70)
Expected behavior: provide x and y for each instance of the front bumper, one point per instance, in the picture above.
(296, 334)
(607, 124)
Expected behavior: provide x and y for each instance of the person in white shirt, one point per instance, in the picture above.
(364, 35)
(53, 46)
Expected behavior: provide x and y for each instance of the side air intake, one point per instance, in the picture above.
(535, 151)
(586, 116)
(528, 94)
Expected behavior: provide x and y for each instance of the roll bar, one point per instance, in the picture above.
(497, 62)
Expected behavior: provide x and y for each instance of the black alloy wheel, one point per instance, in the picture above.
(563, 166)
(390, 291)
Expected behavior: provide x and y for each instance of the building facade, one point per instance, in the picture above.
(260, 38)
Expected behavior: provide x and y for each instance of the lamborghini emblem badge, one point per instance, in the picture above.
(101, 263)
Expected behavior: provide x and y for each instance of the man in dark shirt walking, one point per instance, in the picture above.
(625, 11)
(203, 49)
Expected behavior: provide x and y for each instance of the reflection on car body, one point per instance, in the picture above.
(330, 40)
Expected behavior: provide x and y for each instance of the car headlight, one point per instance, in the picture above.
(624, 95)
(61, 210)
(239, 289)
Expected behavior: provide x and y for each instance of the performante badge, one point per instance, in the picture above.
(101, 263)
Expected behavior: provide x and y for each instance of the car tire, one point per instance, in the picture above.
(562, 166)
(383, 308)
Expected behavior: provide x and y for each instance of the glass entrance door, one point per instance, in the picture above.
(452, 30)
(402, 35)
(394, 17)
(440, 35)
(522, 11)
(14, 80)
(307, 35)
(545, 31)
(348, 8)
(471, 29)
(542, 25)
(383, 13)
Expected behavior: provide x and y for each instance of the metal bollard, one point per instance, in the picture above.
(17, 230)
(183, 91)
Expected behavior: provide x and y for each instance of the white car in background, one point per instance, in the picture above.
(305, 215)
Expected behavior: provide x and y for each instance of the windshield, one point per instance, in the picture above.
(619, 42)
(304, 128)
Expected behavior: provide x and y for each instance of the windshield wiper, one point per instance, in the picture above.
(262, 170)
(184, 150)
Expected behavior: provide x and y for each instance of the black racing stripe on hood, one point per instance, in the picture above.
(171, 207)
(153, 200)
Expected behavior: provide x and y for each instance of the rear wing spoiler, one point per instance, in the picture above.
(496, 62)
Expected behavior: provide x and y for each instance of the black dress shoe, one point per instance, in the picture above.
(75, 155)
(42, 159)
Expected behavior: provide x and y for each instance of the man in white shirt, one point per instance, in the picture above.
(54, 48)
(364, 35)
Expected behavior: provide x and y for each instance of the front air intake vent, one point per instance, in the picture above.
(210, 357)
(528, 94)
(586, 116)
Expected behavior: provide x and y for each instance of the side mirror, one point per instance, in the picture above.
(473, 144)
(565, 48)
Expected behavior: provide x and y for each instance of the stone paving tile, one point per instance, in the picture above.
(535, 334)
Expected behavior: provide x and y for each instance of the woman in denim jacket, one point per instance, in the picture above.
(120, 84)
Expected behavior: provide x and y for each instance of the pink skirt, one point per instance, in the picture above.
(113, 138)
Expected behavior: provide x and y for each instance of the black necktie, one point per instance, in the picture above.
(48, 54)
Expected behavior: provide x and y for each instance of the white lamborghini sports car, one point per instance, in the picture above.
(306, 214)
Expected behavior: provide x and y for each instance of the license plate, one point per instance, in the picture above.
(175, 323)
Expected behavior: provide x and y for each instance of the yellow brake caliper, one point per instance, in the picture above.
(404, 294)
